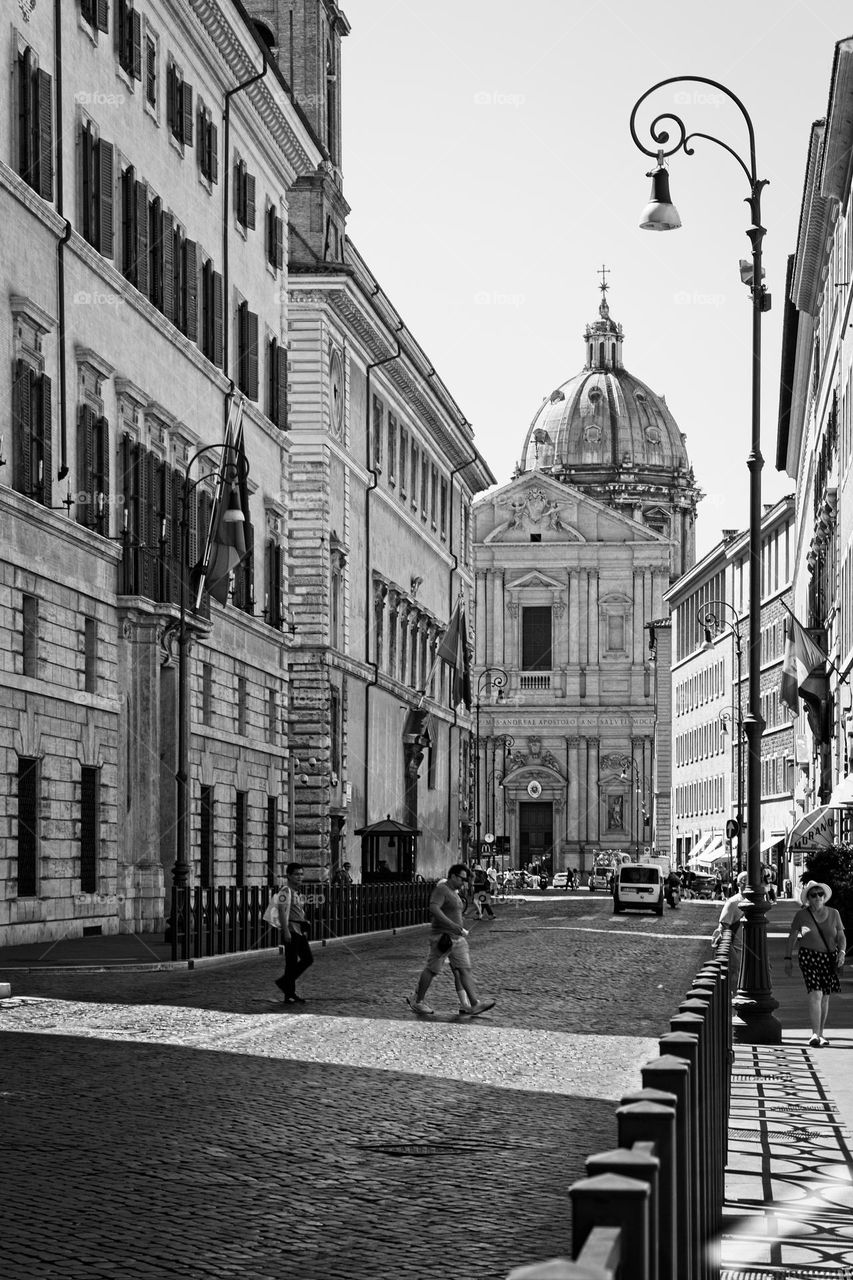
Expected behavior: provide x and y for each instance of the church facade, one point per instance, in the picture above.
(573, 558)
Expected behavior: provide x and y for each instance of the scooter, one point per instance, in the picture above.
(672, 894)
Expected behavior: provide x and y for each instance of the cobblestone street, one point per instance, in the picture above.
(180, 1123)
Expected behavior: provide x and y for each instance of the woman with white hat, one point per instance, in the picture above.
(821, 951)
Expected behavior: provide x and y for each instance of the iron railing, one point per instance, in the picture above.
(652, 1209)
(229, 919)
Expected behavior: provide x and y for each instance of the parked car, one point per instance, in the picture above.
(702, 886)
(638, 886)
(561, 880)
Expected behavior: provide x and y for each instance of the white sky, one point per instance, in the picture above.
(490, 170)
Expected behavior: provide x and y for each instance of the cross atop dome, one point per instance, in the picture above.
(604, 310)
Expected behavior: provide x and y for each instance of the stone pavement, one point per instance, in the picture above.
(175, 1122)
(789, 1181)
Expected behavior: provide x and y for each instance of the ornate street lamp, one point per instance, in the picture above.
(754, 1003)
(493, 678)
(628, 762)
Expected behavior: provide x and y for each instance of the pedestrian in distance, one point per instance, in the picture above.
(817, 939)
(343, 875)
(448, 943)
(295, 934)
(731, 913)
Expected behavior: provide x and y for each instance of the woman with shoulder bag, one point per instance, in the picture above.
(821, 953)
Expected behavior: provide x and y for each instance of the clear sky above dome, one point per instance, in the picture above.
(491, 172)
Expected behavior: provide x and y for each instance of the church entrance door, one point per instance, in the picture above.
(536, 834)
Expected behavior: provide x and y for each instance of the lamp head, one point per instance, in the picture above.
(709, 639)
(660, 214)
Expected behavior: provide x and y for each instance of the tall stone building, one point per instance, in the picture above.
(573, 559)
(172, 223)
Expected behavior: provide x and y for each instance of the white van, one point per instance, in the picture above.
(638, 886)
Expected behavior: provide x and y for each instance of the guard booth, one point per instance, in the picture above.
(389, 852)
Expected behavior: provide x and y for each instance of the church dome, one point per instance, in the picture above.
(604, 423)
(607, 433)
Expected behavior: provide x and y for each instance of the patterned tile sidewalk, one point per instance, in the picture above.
(789, 1179)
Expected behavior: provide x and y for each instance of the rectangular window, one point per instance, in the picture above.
(208, 144)
(206, 693)
(272, 833)
(93, 469)
(442, 521)
(129, 38)
(404, 461)
(205, 852)
(241, 816)
(536, 638)
(96, 13)
(616, 632)
(392, 447)
(433, 495)
(89, 828)
(32, 433)
(272, 715)
(151, 71)
(277, 383)
(27, 838)
(378, 420)
(30, 628)
(244, 195)
(274, 594)
(90, 655)
(212, 314)
(424, 487)
(414, 474)
(247, 351)
(179, 106)
(97, 159)
(275, 238)
(335, 730)
(134, 230)
(242, 698)
(35, 125)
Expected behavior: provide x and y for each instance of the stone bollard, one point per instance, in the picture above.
(5, 990)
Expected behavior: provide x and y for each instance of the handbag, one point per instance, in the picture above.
(271, 915)
(833, 951)
(444, 944)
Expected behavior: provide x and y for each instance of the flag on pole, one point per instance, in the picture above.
(804, 676)
(453, 649)
(225, 543)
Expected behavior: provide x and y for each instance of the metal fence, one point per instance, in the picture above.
(229, 919)
(652, 1208)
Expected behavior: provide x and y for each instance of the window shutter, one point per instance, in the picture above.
(187, 115)
(22, 411)
(213, 143)
(250, 200)
(105, 198)
(45, 135)
(167, 237)
(251, 349)
(281, 375)
(171, 96)
(242, 371)
(128, 215)
(151, 71)
(279, 242)
(102, 435)
(155, 253)
(87, 151)
(103, 15)
(140, 248)
(135, 66)
(86, 466)
(218, 326)
(46, 430)
(190, 307)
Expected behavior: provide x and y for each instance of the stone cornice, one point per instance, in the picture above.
(815, 222)
(291, 136)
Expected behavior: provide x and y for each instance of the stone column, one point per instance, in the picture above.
(573, 619)
(573, 815)
(594, 658)
(595, 769)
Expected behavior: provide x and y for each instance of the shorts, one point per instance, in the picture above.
(459, 957)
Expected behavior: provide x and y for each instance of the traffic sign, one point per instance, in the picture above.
(732, 828)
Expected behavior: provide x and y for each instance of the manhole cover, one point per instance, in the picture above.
(775, 1135)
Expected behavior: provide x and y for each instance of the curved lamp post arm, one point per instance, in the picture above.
(682, 143)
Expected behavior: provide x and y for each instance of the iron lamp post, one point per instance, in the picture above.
(492, 678)
(754, 1022)
(712, 625)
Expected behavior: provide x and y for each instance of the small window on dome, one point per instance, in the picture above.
(640, 395)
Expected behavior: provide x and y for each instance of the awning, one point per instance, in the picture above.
(712, 856)
(815, 830)
(708, 841)
(842, 793)
(771, 844)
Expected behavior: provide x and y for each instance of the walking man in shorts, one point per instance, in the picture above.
(448, 942)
